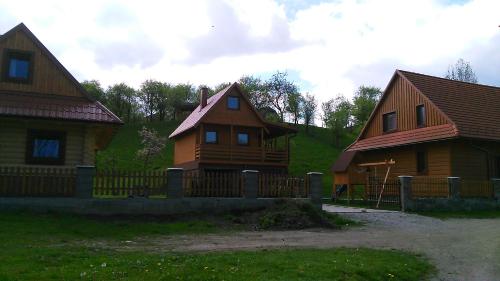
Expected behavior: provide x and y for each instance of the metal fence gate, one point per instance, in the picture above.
(388, 194)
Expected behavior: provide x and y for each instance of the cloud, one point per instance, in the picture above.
(229, 36)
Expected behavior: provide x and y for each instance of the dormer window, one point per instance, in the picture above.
(389, 122)
(233, 103)
(420, 115)
(18, 66)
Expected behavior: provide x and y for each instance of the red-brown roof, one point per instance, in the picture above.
(55, 107)
(343, 161)
(472, 109)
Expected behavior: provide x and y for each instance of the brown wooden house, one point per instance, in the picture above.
(46, 117)
(429, 126)
(225, 132)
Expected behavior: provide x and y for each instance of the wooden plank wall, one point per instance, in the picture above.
(475, 160)
(184, 148)
(47, 78)
(403, 99)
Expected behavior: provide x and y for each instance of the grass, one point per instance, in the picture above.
(490, 214)
(311, 151)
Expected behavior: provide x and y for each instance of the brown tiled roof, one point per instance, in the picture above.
(420, 135)
(473, 108)
(343, 161)
(55, 107)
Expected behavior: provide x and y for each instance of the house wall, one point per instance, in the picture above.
(224, 134)
(80, 141)
(475, 160)
(184, 148)
(403, 98)
(47, 77)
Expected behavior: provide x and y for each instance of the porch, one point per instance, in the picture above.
(237, 154)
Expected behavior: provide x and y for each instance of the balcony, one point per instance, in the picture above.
(239, 154)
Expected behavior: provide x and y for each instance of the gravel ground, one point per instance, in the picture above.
(461, 249)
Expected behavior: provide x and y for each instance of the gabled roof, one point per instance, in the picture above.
(83, 108)
(197, 115)
(472, 110)
(343, 161)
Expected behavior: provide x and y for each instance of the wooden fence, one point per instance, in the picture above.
(120, 183)
(212, 184)
(37, 182)
(282, 185)
(476, 188)
(425, 187)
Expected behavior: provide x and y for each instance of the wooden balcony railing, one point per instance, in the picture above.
(240, 154)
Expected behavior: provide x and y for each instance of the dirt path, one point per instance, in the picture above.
(462, 249)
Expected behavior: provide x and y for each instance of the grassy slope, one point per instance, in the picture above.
(309, 152)
(63, 247)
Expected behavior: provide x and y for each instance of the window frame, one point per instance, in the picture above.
(216, 137)
(235, 97)
(26, 55)
(418, 151)
(238, 138)
(33, 134)
(423, 123)
(384, 128)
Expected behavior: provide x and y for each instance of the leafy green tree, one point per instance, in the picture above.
(279, 88)
(149, 95)
(461, 71)
(364, 101)
(295, 104)
(181, 94)
(220, 87)
(309, 110)
(122, 100)
(95, 90)
(337, 117)
(255, 90)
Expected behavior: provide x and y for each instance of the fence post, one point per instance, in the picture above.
(84, 181)
(250, 184)
(315, 188)
(496, 188)
(405, 192)
(174, 183)
(454, 187)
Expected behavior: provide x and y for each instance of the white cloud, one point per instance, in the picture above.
(334, 46)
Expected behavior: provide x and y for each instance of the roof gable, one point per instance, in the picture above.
(49, 75)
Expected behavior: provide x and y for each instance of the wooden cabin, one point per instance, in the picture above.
(225, 132)
(429, 126)
(46, 117)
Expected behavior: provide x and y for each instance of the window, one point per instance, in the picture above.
(18, 66)
(389, 122)
(420, 115)
(421, 161)
(45, 147)
(210, 137)
(242, 138)
(233, 103)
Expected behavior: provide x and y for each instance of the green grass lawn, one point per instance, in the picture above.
(492, 214)
(310, 152)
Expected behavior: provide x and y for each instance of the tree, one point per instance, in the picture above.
(295, 103)
(220, 87)
(152, 145)
(121, 100)
(364, 101)
(309, 110)
(95, 90)
(148, 95)
(181, 94)
(337, 116)
(461, 71)
(279, 89)
(255, 90)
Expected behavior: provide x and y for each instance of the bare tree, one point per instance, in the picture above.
(152, 145)
(309, 110)
(461, 71)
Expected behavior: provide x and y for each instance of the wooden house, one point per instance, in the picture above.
(225, 132)
(46, 117)
(429, 126)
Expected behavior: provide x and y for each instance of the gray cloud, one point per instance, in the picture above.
(230, 37)
(485, 61)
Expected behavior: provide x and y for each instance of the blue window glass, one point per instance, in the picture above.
(210, 137)
(233, 102)
(19, 68)
(242, 139)
(44, 148)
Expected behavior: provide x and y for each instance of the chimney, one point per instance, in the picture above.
(203, 96)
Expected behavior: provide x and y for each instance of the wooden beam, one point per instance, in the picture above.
(390, 162)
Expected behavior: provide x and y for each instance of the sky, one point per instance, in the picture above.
(327, 47)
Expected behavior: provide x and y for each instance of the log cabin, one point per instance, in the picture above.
(46, 117)
(428, 126)
(226, 133)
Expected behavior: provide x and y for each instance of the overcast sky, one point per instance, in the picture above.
(328, 47)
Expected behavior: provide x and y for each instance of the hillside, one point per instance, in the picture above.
(309, 152)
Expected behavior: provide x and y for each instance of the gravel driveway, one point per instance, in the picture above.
(462, 249)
